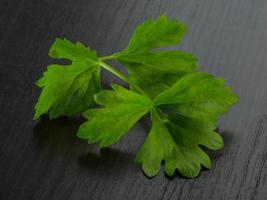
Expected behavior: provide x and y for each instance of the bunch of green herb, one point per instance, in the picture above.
(184, 104)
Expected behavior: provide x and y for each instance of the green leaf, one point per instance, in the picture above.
(158, 145)
(68, 89)
(196, 101)
(122, 109)
(199, 95)
(177, 149)
(159, 69)
(185, 105)
(153, 34)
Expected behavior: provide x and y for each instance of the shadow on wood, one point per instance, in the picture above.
(59, 136)
(107, 161)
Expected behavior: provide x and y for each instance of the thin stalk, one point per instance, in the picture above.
(121, 76)
(107, 58)
(132, 84)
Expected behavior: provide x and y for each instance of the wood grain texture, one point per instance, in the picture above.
(44, 160)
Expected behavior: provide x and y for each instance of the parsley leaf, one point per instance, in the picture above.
(69, 89)
(159, 69)
(184, 104)
(162, 68)
(196, 101)
(122, 109)
(154, 34)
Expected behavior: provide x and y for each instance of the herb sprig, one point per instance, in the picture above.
(184, 104)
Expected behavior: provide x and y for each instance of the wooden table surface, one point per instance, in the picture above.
(44, 160)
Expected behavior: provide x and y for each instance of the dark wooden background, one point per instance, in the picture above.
(44, 160)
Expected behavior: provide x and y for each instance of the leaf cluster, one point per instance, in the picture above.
(184, 104)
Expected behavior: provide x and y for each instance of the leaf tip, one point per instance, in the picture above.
(36, 115)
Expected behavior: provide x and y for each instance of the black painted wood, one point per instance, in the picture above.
(44, 160)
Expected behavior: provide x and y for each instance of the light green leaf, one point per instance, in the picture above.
(123, 108)
(68, 89)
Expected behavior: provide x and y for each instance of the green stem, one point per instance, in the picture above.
(117, 73)
(155, 115)
(121, 76)
(107, 58)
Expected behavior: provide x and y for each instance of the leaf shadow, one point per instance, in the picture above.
(56, 130)
(57, 134)
(107, 162)
(58, 137)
